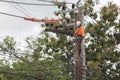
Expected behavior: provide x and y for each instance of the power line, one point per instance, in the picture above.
(27, 3)
(19, 10)
(32, 19)
(55, 1)
(11, 15)
(45, 1)
(27, 12)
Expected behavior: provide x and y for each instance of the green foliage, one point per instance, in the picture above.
(48, 58)
(43, 58)
(7, 43)
(109, 10)
(88, 9)
(101, 54)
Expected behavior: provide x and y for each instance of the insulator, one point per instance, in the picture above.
(73, 6)
(63, 8)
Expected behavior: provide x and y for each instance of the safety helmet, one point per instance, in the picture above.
(78, 23)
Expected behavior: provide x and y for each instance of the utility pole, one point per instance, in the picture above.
(79, 71)
(79, 56)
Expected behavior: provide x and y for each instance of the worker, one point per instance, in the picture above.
(80, 30)
(79, 33)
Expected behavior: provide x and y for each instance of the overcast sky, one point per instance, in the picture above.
(19, 28)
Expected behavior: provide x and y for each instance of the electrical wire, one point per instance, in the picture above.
(27, 3)
(31, 19)
(24, 9)
(45, 1)
(19, 9)
(11, 15)
(27, 12)
(54, 1)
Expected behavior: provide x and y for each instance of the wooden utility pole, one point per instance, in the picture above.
(79, 56)
(79, 70)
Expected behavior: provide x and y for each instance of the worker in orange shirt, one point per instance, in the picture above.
(79, 33)
(80, 30)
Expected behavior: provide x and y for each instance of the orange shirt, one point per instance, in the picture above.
(79, 31)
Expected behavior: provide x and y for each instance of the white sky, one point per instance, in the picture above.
(20, 28)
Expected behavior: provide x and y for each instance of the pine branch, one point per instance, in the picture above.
(24, 75)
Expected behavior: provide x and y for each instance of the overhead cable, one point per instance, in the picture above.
(19, 10)
(32, 19)
(11, 15)
(45, 1)
(27, 3)
(55, 1)
(24, 11)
